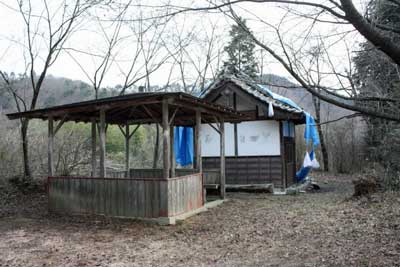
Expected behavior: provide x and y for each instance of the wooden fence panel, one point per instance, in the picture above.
(185, 194)
(122, 197)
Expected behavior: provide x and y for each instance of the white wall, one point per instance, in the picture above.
(255, 138)
(210, 140)
(258, 138)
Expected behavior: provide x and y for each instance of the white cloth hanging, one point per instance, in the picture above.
(307, 161)
(314, 163)
(270, 110)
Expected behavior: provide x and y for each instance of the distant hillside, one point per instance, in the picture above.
(55, 91)
(59, 90)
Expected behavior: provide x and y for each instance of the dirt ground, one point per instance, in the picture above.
(314, 229)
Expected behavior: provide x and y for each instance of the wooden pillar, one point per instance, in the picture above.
(172, 159)
(166, 139)
(222, 157)
(283, 160)
(127, 138)
(93, 139)
(102, 137)
(50, 147)
(197, 142)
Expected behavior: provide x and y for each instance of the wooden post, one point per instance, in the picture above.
(166, 139)
(127, 138)
(50, 147)
(94, 132)
(222, 157)
(173, 162)
(102, 137)
(282, 150)
(197, 142)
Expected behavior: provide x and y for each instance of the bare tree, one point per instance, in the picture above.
(341, 12)
(199, 54)
(44, 26)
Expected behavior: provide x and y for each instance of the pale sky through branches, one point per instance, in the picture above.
(88, 43)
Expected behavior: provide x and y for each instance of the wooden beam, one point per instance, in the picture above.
(215, 128)
(222, 159)
(197, 142)
(102, 137)
(127, 137)
(150, 113)
(50, 147)
(134, 131)
(61, 123)
(173, 162)
(93, 139)
(166, 139)
(171, 120)
(122, 130)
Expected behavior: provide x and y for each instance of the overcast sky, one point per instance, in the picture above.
(90, 39)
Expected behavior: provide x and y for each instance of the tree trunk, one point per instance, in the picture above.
(25, 149)
(323, 147)
(156, 146)
(324, 151)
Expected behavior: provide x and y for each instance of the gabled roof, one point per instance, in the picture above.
(259, 91)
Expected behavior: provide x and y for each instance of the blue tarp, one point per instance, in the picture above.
(280, 98)
(304, 171)
(310, 131)
(183, 145)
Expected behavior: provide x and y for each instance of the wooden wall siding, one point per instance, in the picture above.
(249, 170)
(211, 176)
(118, 197)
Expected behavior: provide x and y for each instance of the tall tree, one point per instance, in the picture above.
(240, 51)
(377, 75)
(292, 37)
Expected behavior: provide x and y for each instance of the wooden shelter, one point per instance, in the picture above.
(161, 194)
(260, 151)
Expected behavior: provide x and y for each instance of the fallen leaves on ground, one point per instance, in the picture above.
(326, 228)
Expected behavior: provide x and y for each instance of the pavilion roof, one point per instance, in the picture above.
(136, 108)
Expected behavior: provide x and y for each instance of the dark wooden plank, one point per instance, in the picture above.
(52, 194)
(135, 194)
(141, 199)
(114, 197)
(128, 198)
(123, 186)
(156, 199)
